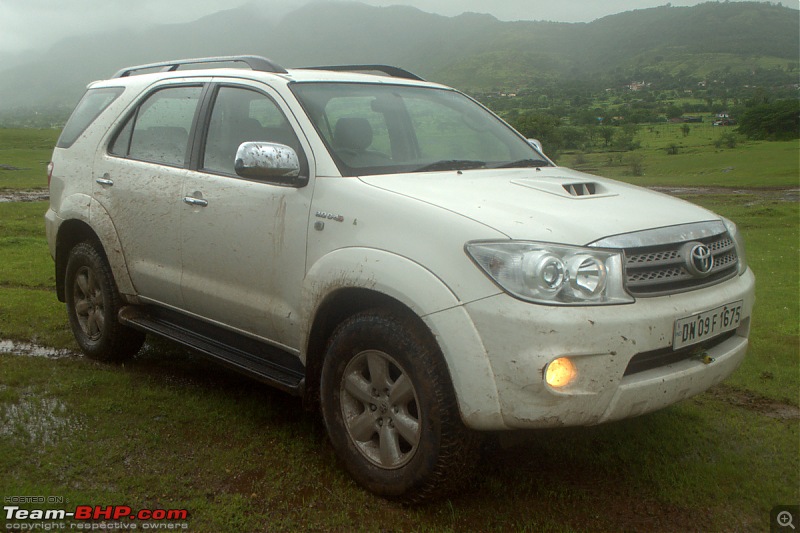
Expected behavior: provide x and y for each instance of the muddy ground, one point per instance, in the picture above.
(789, 194)
(10, 195)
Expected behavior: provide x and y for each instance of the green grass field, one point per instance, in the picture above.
(699, 162)
(24, 155)
(170, 430)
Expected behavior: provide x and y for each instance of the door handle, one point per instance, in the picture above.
(199, 202)
(105, 180)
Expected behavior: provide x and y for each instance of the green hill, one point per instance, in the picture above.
(743, 41)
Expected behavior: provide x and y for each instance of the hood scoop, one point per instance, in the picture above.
(580, 189)
(567, 188)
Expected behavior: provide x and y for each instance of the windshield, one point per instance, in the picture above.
(386, 129)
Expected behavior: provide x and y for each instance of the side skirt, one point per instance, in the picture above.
(243, 354)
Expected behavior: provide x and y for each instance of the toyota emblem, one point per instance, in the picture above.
(699, 261)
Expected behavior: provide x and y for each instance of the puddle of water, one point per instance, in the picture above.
(36, 421)
(23, 196)
(34, 350)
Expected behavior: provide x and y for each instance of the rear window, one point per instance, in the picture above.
(94, 102)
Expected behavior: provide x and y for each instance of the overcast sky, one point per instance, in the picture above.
(27, 24)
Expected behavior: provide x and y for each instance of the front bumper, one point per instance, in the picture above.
(520, 339)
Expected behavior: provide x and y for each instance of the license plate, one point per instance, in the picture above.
(703, 326)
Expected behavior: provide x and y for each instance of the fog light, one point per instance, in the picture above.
(560, 373)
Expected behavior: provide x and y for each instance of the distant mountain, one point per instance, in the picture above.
(473, 52)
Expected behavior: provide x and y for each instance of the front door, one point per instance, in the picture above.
(244, 241)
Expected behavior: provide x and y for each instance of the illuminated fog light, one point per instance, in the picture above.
(560, 373)
(587, 275)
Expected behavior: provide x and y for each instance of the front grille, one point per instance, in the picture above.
(662, 269)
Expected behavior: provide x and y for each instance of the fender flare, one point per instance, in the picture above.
(427, 296)
(83, 208)
(103, 226)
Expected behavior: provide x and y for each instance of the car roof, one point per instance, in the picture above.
(293, 75)
(261, 68)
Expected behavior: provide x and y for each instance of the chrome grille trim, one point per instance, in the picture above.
(659, 236)
(654, 261)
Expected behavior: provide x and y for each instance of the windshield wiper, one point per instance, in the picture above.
(452, 164)
(525, 163)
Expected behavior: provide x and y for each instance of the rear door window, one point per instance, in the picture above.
(158, 131)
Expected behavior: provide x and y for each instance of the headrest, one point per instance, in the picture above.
(353, 133)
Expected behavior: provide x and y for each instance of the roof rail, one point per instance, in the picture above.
(395, 72)
(258, 63)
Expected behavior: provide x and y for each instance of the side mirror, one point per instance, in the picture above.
(269, 161)
(536, 143)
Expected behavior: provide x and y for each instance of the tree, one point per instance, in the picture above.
(574, 137)
(674, 111)
(636, 162)
(777, 121)
(545, 128)
(727, 139)
(607, 133)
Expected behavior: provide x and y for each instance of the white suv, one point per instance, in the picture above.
(389, 250)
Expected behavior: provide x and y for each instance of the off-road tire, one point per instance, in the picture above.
(403, 443)
(92, 306)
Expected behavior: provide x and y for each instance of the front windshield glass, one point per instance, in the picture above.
(387, 129)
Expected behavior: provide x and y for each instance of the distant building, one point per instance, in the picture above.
(724, 119)
(681, 120)
(637, 85)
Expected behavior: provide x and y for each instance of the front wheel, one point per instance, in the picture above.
(390, 410)
(92, 305)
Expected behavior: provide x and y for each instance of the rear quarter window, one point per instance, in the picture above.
(94, 102)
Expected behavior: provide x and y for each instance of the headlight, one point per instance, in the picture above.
(553, 274)
(739, 242)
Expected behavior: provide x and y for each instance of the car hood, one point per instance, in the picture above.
(551, 204)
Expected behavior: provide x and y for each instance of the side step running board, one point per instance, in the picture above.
(243, 354)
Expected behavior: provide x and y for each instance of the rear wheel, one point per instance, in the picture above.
(92, 305)
(390, 410)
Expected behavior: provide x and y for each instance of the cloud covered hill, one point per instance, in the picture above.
(473, 52)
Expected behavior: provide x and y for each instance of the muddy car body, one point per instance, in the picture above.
(391, 251)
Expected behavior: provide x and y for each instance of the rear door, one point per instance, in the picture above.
(139, 181)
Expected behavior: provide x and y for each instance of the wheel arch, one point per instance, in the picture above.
(332, 311)
(70, 233)
(352, 280)
(98, 227)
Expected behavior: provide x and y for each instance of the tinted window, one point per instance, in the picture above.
(159, 129)
(241, 115)
(94, 102)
